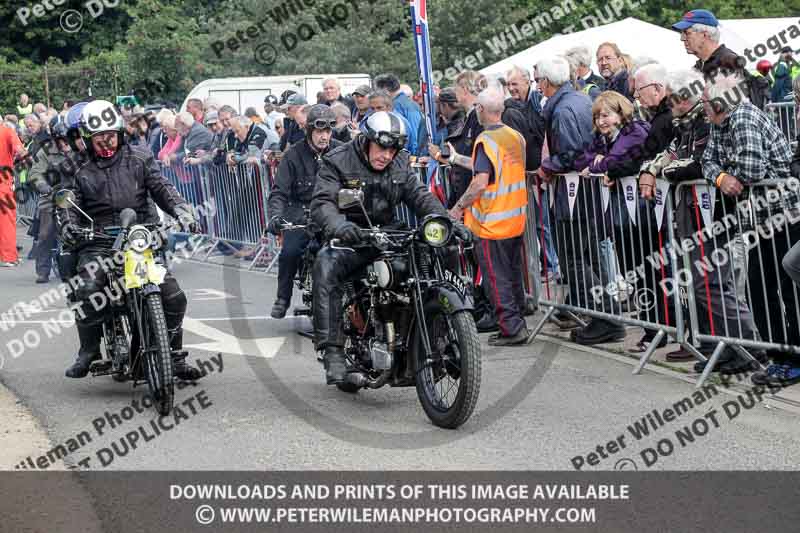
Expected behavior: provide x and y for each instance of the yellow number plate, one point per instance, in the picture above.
(434, 233)
(141, 269)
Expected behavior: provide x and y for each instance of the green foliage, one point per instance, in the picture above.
(160, 49)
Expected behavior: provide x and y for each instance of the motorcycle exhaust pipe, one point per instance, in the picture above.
(361, 381)
(357, 378)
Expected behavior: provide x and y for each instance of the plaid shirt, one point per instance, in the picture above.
(749, 146)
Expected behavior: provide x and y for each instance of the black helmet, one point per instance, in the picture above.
(320, 117)
(386, 129)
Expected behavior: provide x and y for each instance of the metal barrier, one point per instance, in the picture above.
(706, 268)
(742, 300)
(785, 116)
(239, 198)
(26, 210)
(616, 251)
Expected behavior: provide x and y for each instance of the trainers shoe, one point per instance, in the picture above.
(777, 376)
(520, 338)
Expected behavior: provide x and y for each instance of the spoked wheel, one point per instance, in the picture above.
(157, 357)
(449, 383)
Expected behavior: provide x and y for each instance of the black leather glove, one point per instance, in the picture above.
(274, 225)
(348, 233)
(462, 232)
(69, 233)
(186, 219)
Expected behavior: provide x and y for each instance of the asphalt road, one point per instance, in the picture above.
(267, 407)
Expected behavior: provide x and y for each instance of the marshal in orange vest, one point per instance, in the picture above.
(500, 211)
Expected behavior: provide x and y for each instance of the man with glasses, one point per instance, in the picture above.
(700, 36)
(613, 70)
(291, 196)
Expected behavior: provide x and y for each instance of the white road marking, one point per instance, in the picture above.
(200, 295)
(224, 342)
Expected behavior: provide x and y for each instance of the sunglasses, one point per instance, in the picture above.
(320, 124)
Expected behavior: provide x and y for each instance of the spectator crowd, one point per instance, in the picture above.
(632, 117)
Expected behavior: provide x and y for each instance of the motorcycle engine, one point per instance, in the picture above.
(380, 355)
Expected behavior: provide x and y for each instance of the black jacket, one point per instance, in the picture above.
(658, 139)
(294, 182)
(462, 140)
(531, 127)
(346, 167)
(292, 133)
(619, 83)
(131, 178)
(252, 145)
(722, 61)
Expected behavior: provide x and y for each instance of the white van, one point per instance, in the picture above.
(241, 93)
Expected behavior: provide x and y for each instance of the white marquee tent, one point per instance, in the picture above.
(642, 39)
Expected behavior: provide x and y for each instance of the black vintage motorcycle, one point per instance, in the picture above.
(303, 279)
(408, 319)
(136, 341)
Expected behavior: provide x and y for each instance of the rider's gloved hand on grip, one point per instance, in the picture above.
(462, 232)
(274, 225)
(69, 233)
(186, 219)
(348, 233)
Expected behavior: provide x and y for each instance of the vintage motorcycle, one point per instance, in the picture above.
(408, 319)
(303, 278)
(136, 341)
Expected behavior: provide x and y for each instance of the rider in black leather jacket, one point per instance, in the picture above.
(290, 197)
(112, 177)
(375, 163)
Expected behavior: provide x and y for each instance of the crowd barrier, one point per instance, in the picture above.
(26, 201)
(611, 246)
(234, 207)
(742, 298)
(785, 116)
(701, 268)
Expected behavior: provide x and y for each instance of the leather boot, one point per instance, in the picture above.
(335, 369)
(180, 368)
(90, 337)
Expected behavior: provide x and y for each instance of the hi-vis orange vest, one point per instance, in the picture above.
(500, 211)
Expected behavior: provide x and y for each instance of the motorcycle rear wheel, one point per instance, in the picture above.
(461, 370)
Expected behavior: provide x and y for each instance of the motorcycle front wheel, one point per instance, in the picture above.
(449, 383)
(157, 357)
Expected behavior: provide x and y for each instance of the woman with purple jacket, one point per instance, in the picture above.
(618, 139)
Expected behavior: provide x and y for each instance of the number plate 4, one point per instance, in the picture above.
(141, 269)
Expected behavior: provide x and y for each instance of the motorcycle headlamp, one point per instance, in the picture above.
(139, 239)
(437, 230)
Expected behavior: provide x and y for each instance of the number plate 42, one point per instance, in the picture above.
(141, 269)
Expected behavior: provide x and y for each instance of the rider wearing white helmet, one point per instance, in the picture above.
(114, 177)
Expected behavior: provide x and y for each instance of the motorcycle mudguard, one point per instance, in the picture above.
(448, 297)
